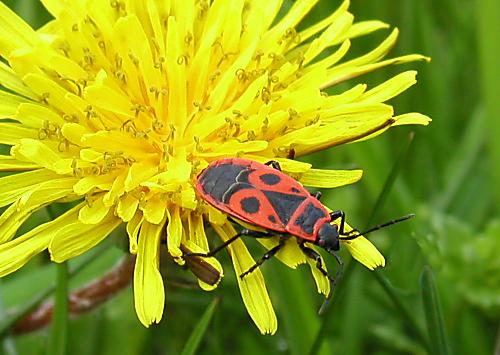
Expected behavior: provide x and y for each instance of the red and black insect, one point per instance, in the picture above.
(261, 195)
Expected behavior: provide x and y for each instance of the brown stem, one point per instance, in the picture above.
(83, 299)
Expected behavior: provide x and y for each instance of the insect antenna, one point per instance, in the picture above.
(377, 227)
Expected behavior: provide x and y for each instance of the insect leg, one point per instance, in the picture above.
(338, 214)
(317, 195)
(244, 232)
(265, 257)
(274, 164)
(311, 253)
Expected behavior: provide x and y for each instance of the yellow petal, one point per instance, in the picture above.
(33, 199)
(252, 287)
(139, 172)
(412, 118)
(214, 215)
(365, 252)
(149, 293)
(322, 282)
(329, 178)
(339, 74)
(390, 88)
(116, 191)
(133, 228)
(38, 152)
(14, 32)
(76, 238)
(17, 252)
(53, 93)
(94, 211)
(12, 82)
(321, 25)
(13, 133)
(127, 207)
(177, 75)
(9, 104)
(174, 233)
(327, 38)
(13, 186)
(365, 27)
(154, 209)
(9, 163)
(103, 182)
(36, 115)
(110, 99)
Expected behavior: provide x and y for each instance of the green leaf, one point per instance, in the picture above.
(433, 314)
(199, 331)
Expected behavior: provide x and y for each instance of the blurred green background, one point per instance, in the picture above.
(440, 291)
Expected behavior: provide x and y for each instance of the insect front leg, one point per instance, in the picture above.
(339, 214)
(265, 257)
(312, 254)
(244, 232)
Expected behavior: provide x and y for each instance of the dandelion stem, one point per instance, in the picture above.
(59, 333)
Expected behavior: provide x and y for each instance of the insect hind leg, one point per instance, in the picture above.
(265, 257)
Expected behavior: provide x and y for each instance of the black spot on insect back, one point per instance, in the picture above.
(270, 179)
(271, 219)
(250, 205)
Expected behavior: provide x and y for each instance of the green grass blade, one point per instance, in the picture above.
(433, 314)
(59, 332)
(401, 308)
(201, 328)
(389, 182)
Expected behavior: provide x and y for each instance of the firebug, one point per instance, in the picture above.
(263, 196)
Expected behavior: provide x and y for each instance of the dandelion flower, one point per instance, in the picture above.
(119, 105)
